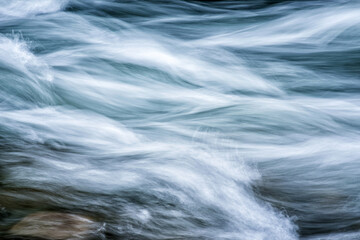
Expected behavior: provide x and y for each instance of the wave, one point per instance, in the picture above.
(183, 119)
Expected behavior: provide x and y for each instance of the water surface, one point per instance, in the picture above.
(183, 119)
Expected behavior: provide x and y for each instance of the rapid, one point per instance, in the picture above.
(177, 119)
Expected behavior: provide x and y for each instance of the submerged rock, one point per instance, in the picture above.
(55, 225)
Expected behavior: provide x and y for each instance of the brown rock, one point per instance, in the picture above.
(54, 225)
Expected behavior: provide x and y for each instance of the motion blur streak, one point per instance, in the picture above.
(183, 119)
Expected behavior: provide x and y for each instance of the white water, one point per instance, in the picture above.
(183, 119)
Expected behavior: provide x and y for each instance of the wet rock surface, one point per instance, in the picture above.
(54, 226)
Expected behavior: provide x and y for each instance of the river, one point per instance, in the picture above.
(234, 120)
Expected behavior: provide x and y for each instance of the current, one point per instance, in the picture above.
(183, 119)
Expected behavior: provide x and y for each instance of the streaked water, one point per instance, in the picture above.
(183, 119)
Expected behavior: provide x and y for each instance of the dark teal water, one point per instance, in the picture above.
(183, 119)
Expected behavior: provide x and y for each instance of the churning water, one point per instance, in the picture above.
(169, 119)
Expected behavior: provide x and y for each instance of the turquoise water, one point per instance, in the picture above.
(183, 119)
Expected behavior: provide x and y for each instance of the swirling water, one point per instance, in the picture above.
(183, 119)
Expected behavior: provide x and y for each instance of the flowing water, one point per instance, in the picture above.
(169, 119)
